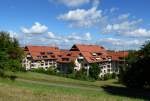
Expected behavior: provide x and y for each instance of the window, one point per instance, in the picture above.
(108, 70)
(39, 57)
(80, 60)
(46, 63)
(42, 53)
(69, 54)
(94, 54)
(53, 56)
(49, 52)
(65, 59)
(85, 65)
(44, 56)
(99, 53)
(108, 66)
(60, 55)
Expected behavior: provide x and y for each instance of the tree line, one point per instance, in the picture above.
(10, 54)
(136, 73)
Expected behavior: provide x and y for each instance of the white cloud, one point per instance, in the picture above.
(51, 35)
(71, 37)
(121, 27)
(82, 17)
(120, 44)
(13, 34)
(113, 9)
(76, 37)
(37, 28)
(123, 16)
(96, 3)
(73, 3)
(88, 36)
(77, 3)
(140, 32)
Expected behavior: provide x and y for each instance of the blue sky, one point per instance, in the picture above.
(115, 24)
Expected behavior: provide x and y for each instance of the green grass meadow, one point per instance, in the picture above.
(40, 87)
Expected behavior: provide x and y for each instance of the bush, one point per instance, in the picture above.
(10, 53)
(39, 70)
(94, 71)
(108, 76)
(52, 71)
(12, 77)
(2, 74)
(70, 68)
(136, 74)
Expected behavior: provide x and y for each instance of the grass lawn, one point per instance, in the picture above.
(40, 87)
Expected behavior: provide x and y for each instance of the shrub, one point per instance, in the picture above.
(94, 71)
(39, 70)
(51, 71)
(2, 74)
(12, 77)
(136, 74)
(10, 53)
(108, 76)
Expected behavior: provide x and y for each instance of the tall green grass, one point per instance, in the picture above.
(23, 91)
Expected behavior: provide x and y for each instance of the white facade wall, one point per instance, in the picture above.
(31, 64)
(106, 67)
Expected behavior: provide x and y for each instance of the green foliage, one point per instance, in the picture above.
(94, 71)
(10, 53)
(39, 70)
(108, 76)
(81, 74)
(50, 70)
(2, 74)
(70, 67)
(13, 77)
(136, 74)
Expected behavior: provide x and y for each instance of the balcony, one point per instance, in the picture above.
(28, 56)
(80, 57)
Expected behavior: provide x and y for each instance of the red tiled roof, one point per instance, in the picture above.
(87, 52)
(89, 48)
(36, 51)
(92, 53)
(117, 55)
(66, 54)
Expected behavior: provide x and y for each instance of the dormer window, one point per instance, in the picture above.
(94, 54)
(53, 56)
(65, 59)
(44, 56)
(99, 53)
(69, 54)
(60, 55)
(42, 53)
(49, 52)
(39, 57)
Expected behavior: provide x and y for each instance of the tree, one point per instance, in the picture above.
(70, 68)
(137, 72)
(10, 53)
(94, 71)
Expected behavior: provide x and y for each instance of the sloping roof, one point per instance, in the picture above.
(88, 51)
(91, 53)
(89, 48)
(68, 56)
(117, 55)
(37, 52)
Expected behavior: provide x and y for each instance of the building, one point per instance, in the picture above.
(40, 57)
(81, 55)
